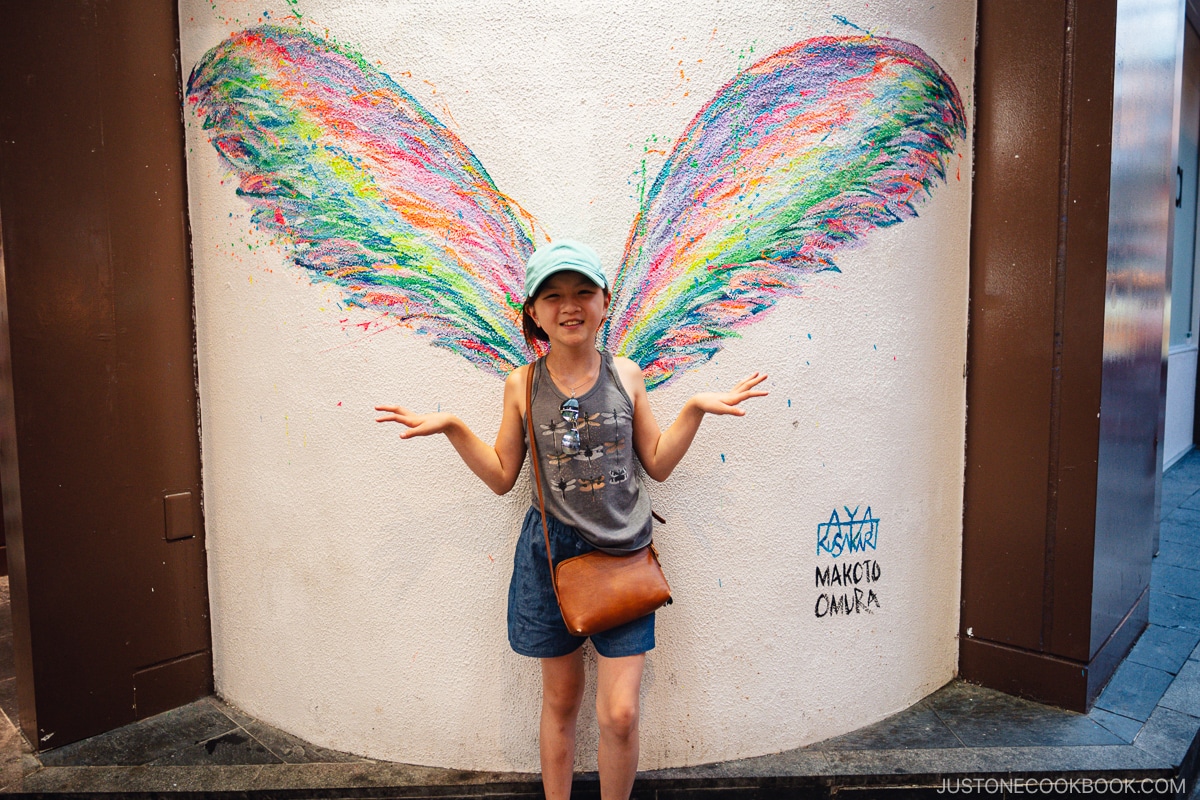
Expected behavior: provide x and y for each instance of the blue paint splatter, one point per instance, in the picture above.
(844, 21)
(722, 458)
(789, 402)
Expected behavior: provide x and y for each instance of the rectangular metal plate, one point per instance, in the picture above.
(178, 516)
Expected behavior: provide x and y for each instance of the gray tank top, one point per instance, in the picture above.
(595, 488)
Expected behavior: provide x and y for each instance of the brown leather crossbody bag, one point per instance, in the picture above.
(597, 591)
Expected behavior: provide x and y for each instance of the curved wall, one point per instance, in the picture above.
(358, 583)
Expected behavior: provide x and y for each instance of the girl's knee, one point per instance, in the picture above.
(562, 685)
(619, 719)
(562, 698)
(562, 704)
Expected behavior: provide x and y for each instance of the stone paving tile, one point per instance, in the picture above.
(982, 717)
(1174, 498)
(1183, 472)
(294, 750)
(145, 740)
(917, 727)
(380, 774)
(1123, 728)
(7, 657)
(1177, 554)
(809, 790)
(1192, 501)
(1164, 648)
(1006, 760)
(911, 762)
(1179, 581)
(1183, 532)
(235, 747)
(1172, 611)
(235, 714)
(268, 777)
(8, 699)
(1134, 690)
(1180, 478)
(1174, 480)
(290, 749)
(1184, 694)
(802, 761)
(130, 779)
(1183, 516)
(12, 752)
(1187, 467)
(1168, 734)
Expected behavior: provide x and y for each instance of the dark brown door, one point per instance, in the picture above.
(99, 447)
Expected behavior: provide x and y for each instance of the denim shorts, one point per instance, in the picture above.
(535, 625)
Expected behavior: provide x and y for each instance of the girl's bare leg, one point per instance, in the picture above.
(562, 692)
(618, 703)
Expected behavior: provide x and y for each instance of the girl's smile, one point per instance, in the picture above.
(570, 308)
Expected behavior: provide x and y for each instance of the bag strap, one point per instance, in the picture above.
(537, 473)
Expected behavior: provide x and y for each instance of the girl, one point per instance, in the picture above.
(588, 408)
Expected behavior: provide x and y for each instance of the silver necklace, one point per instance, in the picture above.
(587, 378)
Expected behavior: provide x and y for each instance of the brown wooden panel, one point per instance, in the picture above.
(98, 281)
(1048, 678)
(1014, 245)
(1037, 676)
(176, 682)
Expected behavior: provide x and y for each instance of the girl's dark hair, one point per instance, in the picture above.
(530, 329)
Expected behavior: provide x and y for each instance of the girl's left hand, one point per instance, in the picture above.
(727, 402)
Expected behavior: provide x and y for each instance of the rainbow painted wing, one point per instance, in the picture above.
(372, 192)
(798, 156)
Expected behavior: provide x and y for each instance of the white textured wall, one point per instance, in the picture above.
(358, 583)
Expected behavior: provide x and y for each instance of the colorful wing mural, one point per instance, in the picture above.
(798, 156)
(371, 191)
(801, 154)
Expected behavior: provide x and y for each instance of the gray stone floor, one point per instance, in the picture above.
(1143, 727)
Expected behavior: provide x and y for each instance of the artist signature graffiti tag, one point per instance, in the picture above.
(854, 534)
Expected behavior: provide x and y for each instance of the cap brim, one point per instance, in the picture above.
(531, 291)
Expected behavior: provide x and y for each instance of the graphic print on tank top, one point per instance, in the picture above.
(583, 469)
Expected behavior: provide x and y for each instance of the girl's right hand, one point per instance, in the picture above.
(416, 424)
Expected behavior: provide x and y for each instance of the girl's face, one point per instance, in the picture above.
(570, 308)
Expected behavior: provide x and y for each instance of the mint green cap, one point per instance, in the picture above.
(559, 255)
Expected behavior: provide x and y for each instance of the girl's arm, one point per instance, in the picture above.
(497, 465)
(658, 450)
